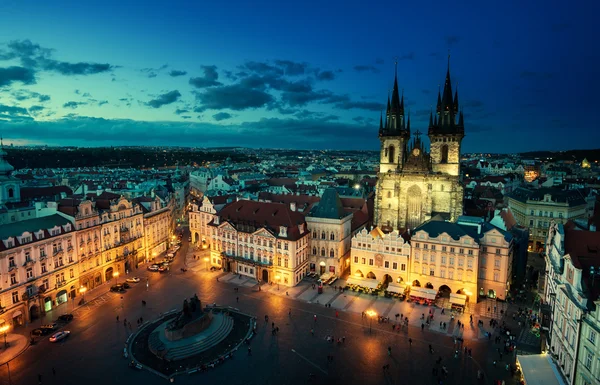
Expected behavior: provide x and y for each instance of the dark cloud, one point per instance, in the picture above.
(21, 95)
(181, 111)
(359, 119)
(44, 98)
(73, 105)
(325, 75)
(186, 117)
(379, 61)
(261, 68)
(102, 102)
(33, 56)
(35, 109)
(452, 39)
(152, 75)
(13, 74)
(86, 95)
(291, 68)
(229, 75)
(12, 110)
(366, 68)
(235, 97)
(13, 114)
(208, 80)
(175, 73)
(164, 99)
(222, 116)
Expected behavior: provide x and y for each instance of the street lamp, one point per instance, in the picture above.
(116, 275)
(82, 291)
(371, 314)
(206, 263)
(277, 278)
(4, 330)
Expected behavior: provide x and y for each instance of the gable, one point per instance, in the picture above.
(227, 226)
(263, 233)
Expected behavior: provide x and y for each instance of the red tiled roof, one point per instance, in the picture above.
(30, 193)
(281, 181)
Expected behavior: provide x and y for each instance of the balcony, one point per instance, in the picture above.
(57, 251)
(119, 258)
(43, 256)
(70, 248)
(29, 262)
(60, 284)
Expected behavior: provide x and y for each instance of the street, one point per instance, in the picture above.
(93, 352)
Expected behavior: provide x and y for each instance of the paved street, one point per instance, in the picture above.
(93, 353)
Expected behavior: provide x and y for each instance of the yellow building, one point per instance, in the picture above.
(414, 185)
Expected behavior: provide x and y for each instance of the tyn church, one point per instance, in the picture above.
(414, 185)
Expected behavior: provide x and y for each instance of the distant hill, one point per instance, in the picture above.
(576, 155)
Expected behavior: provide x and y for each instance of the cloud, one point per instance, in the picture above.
(452, 39)
(314, 133)
(229, 75)
(379, 61)
(164, 99)
(22, 94)
(350, 105)
(406, 56)
(176, 73)
(102, 102)
(181, 111)
(33, 56)
(291, 68)
(186, 117)
(222, 116)
(152, 75)
(208, 80)
(325, 75)
(73, 105)
(436, 55)
(366, 68)
(261, 68)
(13, 114)
(13, 74)
(234, 97)
(35, 109)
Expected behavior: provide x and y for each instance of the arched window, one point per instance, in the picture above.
(11, 193)
(314, 251)
(331, 253)
(315, 234)
(323, 252)
(323, 235)
(444, 154)
(389, 194)
(332, 236)
(391, 154)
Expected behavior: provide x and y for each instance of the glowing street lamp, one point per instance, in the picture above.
(277, 278)
(372, 314)
(206, 263)
(82, 291)
(116, 275)
(4, 330)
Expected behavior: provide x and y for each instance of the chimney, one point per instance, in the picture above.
(293, 206)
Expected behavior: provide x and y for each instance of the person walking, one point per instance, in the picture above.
(237, 299)
(410, 341)
(54, 372)
(315, 318)
(117, 318)
(312, 332)
(290, 312)
(389, 350)
(337, 314)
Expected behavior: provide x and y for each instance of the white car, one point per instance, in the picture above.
(59, 336)
(133, 280)
(153, 267)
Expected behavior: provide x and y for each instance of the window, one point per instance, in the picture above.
(443, 273)
(451, 274)
(424, 270)
(433, 247)
(432, 258)
(592, 337)
(425, 246)
(531, 222)
(71, 273)
(589, 358)
(461, 262)
(497, 251)
(470, 252)
(285, 263)
(461, 251)
(44, 267)
(370, 261)
(11, 262)
(315, 252)
(484, 249)
(416, 245)
(496, 276)
(431, 271)
(443, 248)
(323, 235)
(496, 263)
(332, 236)
(285, 245)
(355, 259)
(403, 267)
(451, 261)
(395, 265)
(483, 261)
(322, 252)
(13, 279)
(278, 261)
(364, 261)
(386, 264)
(15, 296)
(531, 212)
(331, 253)
(443, 259)
(481, 273)
(452, 249)
(470, 263)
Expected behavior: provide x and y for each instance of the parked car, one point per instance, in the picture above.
(125, 285)
(153, 267)
(41, 332)
(133, 280)
(66, 317)
(59, 336)
(117, 288)
(163, 269)
(52, 326)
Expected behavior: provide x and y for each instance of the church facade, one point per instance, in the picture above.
(414, 185)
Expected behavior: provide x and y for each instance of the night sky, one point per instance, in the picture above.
(285, 74)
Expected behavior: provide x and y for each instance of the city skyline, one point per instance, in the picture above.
(279, 76)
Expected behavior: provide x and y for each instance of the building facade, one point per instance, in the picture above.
(38, 268)
(588, 361)
(266, 241)
(381, 257)
(200, 216)
(331, 228)
(413, 185)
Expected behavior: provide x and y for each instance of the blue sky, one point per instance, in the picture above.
(294, 74)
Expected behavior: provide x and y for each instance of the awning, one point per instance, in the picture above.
(539, 370)
(325, 276)
(422, 292)
(369, 283)
(17, 313)
(458, 299)
(396, 287)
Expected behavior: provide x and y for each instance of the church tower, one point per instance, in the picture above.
(394, 133)
(9, 185)
(445, 133)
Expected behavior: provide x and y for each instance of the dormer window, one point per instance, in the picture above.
(282, 231)
(10, 243)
